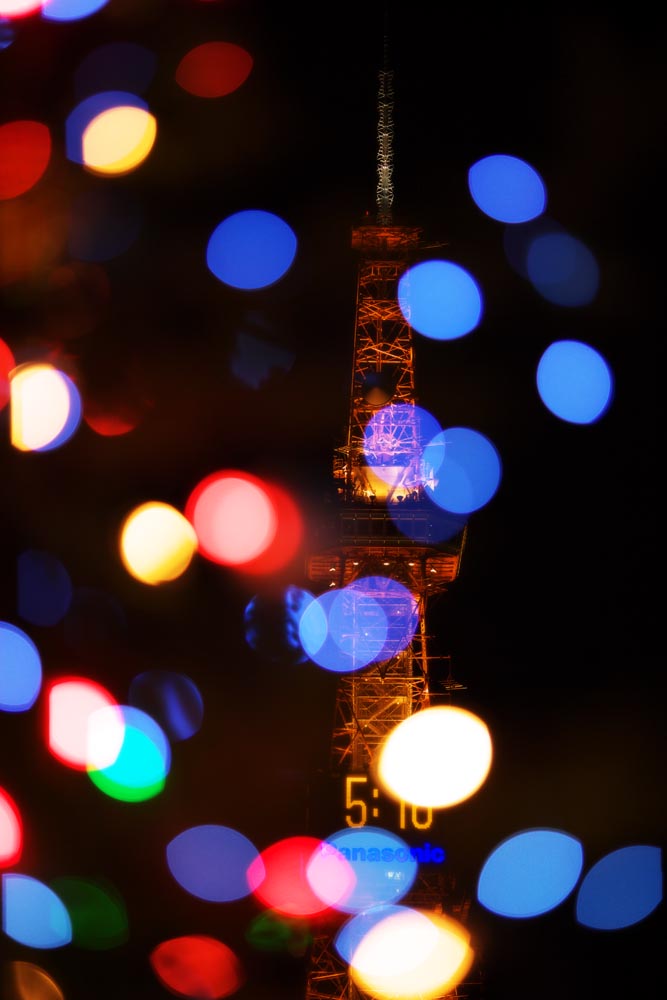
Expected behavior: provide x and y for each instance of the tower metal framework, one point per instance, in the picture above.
(358, 536)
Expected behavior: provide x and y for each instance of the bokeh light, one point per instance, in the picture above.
(176, 345)
(412, 954)
(90, 108)
(419, 518)
(440, 299)
(271, 931)
(7, 364)
(357, 624)
(271, 623)
(45, 407)
(328, 647)
(27, 981)
(518, 238)
(71, 10)
(33, 914)
(96, 910)
(11, 830)
(562, 269)
(278, 879)
(378, 387)
(211, 862)
(331, 876)
(468, 467)
(530, 873)
(111, 421)
(103, 225)
(79, 734)
(213, 69)
(125, 66)
(25, 150)
(233, 517)
(20, 669)
(157, 543)
(43, 588)
(255, 360)
(398, 616)
(436, 757)
(351, 933)
(19, 8)
(356, 869)
(118, 140)
(506, 188)
(284, 549)
(394, 440)
(172, 699)
(575, 382)
(34, 235)
(621, 889)
(370, 620)
(251, 249)
(118, 403)
(196, 965)
(7, 33)
(140, 769)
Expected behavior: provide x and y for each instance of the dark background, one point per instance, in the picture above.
(553, 623)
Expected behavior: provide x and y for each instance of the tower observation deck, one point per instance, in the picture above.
(359, 538)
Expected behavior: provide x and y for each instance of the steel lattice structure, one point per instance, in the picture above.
(359, 537)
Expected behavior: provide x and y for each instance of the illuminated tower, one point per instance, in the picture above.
(359, 539)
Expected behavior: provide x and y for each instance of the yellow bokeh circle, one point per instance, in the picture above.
(157, 543)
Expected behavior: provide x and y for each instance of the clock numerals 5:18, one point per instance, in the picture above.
(359, 812)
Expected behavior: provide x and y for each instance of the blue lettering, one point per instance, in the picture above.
(423, 854)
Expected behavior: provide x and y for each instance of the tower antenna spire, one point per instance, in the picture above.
(385, 132)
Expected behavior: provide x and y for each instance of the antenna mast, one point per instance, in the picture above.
(385, 155)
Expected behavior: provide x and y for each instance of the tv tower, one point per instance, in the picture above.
(360, 540)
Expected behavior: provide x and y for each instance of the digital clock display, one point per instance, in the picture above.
(365, 804)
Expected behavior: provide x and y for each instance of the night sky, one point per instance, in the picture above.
(552, 624)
